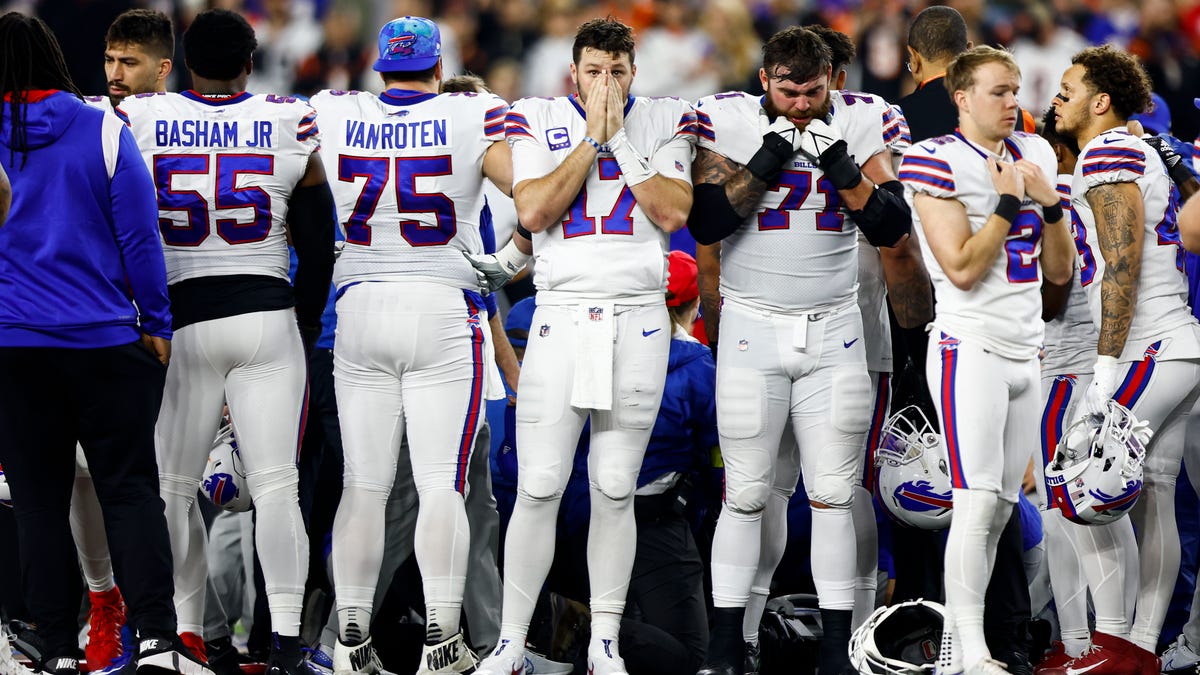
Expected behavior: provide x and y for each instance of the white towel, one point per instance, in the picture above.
(595, 332)
(493, 383)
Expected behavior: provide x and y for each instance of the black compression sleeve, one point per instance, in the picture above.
(885, 218)
(712, 217)
(311, 219)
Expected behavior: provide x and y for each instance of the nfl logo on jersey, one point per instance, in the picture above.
(596, 313)
(544, 330)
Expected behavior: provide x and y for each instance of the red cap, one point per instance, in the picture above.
(681, 286)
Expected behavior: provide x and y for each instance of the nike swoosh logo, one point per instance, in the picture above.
(648, 333)
(1081, 671)
(1107, 141)
(849, 344)
(926, 148)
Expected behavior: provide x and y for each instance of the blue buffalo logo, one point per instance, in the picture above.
(402, 45)
(220, 488)
(1120, 502)
(920, 497)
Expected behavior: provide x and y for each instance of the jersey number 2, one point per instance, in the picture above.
(408, 199)
(227, 195)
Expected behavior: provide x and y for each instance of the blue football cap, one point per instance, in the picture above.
(520, 317)
(410, 44)
(1157, 120)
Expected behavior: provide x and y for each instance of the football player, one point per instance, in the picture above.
(775, 183)
(1069, 351)
(991, 227)
(1148, 349)
(412, 328)
(231, 168)
(600, 178)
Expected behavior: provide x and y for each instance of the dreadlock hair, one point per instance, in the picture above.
(30, 59)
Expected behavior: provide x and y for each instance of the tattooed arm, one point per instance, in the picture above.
(1119, 216)
(909, 289)
(741, 187)
(708, 259)
(725, 194)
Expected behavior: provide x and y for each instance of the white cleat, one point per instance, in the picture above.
(360, 658)
(1180, 657)
(8, 663)
(988, 667)
(506, 659)
(536, 664)
(451, 655)
(603, 659)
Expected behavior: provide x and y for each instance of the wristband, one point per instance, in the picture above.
(1008, 208)
(511, 259)
(635, 169)
(524, 232)
(1052, 214)
(589, 139)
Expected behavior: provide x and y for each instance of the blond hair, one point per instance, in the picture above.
(960, 74)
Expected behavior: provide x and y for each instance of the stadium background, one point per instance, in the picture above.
(686, 48)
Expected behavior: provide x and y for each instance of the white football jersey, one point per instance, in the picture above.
(799, 250)
(102, 102)
(604, 246)
(407, 178)
(224, 168)
(1070, 342)
(872, 285)
(1003, 311)
(1116, 156)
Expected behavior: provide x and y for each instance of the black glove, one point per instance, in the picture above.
(1175, 167)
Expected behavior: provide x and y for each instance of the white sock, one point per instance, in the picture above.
(735, 553)
(968, 568)
(867, 554)
(1067, 580)
(833, 557)
(442, 542)
(283, 545)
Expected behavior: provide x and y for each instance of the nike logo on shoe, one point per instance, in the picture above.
(1081, 671)
(849, 344)
(648, 333)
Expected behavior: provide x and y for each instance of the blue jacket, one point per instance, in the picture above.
(79, 248)
(686, 429)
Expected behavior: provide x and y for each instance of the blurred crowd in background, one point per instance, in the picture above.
(686, 48)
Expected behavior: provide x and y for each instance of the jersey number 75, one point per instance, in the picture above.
(408, 200)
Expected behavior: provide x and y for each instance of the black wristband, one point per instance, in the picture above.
(767, 163)
(524, 232)
(1009, 207)
(1052, 214)
(1179, 174)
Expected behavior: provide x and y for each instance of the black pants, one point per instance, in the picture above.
(107, 400)
(665, 627)
(1006, 610)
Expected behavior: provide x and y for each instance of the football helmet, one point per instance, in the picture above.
(911, 476)
(790, 635)
(903, 639)
(1096, 474)
(224, 481)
